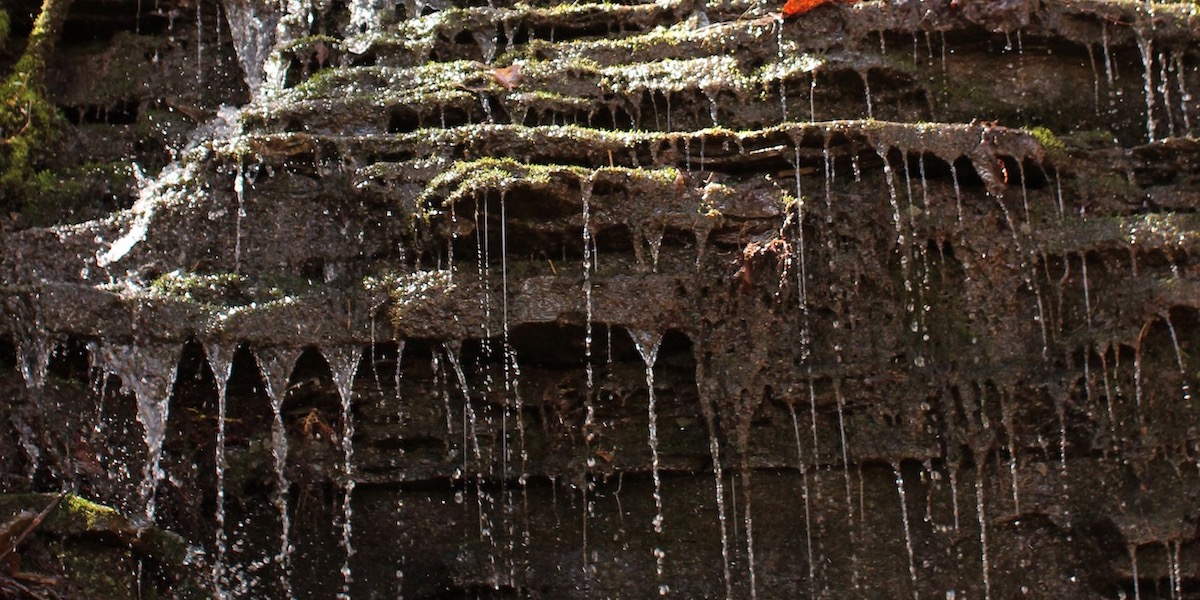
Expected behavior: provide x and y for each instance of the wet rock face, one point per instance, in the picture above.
(891, 299)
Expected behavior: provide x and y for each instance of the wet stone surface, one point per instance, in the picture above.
(614, 300)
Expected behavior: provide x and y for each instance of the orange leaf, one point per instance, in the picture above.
(508, 77)
(795, 8)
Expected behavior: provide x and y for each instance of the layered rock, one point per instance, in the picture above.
(619, 300)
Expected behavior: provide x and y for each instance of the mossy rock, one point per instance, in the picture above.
(92, 551)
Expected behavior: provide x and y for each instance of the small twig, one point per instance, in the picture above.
(24, 589)
(28, 121)
(33, 525)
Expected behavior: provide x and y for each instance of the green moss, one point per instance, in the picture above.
(1056, 150)
(205, 289)
(466, 178)
(4, 25)
(92, 515)
(29, 124)
(1093, 139)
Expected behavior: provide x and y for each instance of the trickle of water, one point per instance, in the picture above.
(343, 363)
(783, 105)
(712, 106)
(647, 343)
(1087, 297)
(252, 27)
(954, 493)
(1146, 46)
(1137, 370)
(841, 404)
(276, 365)
(908, 544)
(982, 514)
(589, 418)
(149, 372)
(1030, 280)
(487, 42)
(1108, 391)
(1185, 98)
(1108, 68)
(1183, 375)
(585, 194)
(487, 108)
(1060, 411)
(1095, 79)
(220, 360)
(957, 192)
(804, 494)
(714, 449)
(1133, 561)
(34, 350)
(1176, 569)
(1164, 88)
(667, 94)
(1010, 431)
(200, 46)
(239, 189)
(812, 98)
(654, 239)
(867, 85)
(802, 272)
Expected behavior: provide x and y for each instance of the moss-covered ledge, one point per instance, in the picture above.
(87, 550)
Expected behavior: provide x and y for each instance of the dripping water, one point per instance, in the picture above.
(1011, 435)
(220, 360)
(149, 372)
(1146, 48)
(714, 448)
(1185, 97)
(589, 419)
(804, 494)
(864, 74)
(982, 514)
(647, 343)
(276, 364)
(908, 544)
(841, 403)
(1133, 561)
(343, 363)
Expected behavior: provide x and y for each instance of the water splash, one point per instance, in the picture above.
(275, 365)
(343, 363)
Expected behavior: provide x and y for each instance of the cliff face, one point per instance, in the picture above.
(617, 300)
